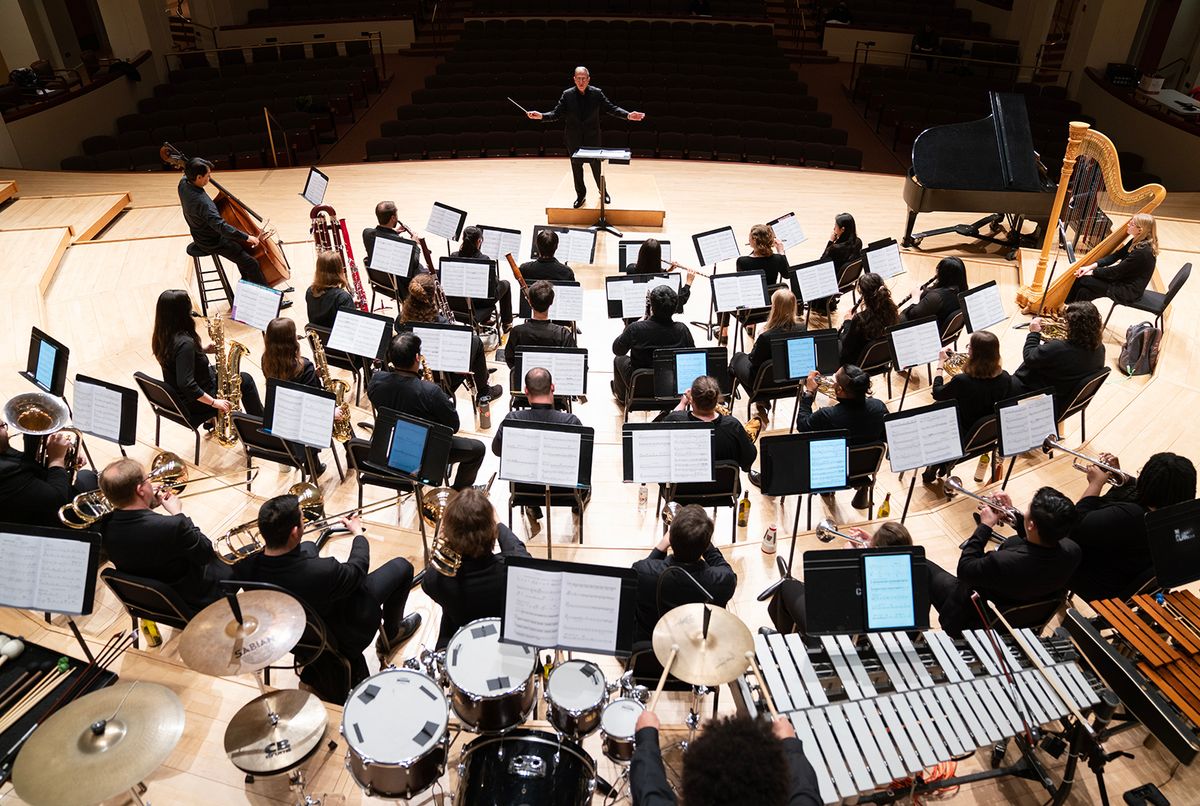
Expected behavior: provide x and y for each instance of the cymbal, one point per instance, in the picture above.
(710, 661)
(275, 732)
(99, 745)
(214, 643)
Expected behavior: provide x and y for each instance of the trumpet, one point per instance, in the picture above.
(39, 414)
(244, 540)
(827, 532)
(1116, 476)
(953, 485)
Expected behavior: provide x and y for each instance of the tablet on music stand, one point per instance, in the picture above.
(469, 277)
(409, 446)
(667, 452)
(46, 367)
(676, 368)
(982, 306)
(256, 305)
(446, 221)
(550, 454)
(798, 464)
(743, 290)
(105, 410)
(447, 348)
(566, 307)
(1174, 536)
(567, 367)
(859, 590)
(883, 258)
(361, 334)
(48, 569)
(627, 253)
(299, 413)
(793, 357)
(626, 293)
(314, 187)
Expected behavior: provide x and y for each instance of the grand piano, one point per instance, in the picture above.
(985, 166)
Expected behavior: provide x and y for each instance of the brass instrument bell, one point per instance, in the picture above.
(37, 414)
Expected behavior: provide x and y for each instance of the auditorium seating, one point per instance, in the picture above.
(284, 11)
(901, 15)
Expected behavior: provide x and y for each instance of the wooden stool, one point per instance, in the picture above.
(213, 283)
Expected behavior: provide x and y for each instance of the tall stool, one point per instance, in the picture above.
(213, 283)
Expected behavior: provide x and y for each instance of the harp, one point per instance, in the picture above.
(1091, 208)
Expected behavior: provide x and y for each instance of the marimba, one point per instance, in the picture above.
(888, 707)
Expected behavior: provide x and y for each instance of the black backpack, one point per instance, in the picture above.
(1139, 355)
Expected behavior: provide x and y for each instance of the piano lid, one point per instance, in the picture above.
(995, 153)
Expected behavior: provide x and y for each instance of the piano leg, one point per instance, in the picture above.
(908, 241)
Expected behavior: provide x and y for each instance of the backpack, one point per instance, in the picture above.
(1139, 355)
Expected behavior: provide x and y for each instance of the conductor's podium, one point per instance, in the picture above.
(635, 200)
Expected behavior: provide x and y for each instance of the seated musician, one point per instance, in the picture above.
(166, 547)
(1123, 275)
(875, 313)
(786, 606)
(539, 391)
(349, 598)
(538, 331)
(546, 266)
(699, 405)
(781, 323)
(659, 589)
(649, 261)
(634, 348)
(398, 387)
(329, 292)
(941, 298)
(185, 366)
(421, 306)
(1063, 364)
(1112, 529)
(469, 529)
(31, 492)
(855, 412)
(766, 255)
(733, 760)
(844, 247)
(385, 214)
(469, 247)
(282, 360)
(1034, 565)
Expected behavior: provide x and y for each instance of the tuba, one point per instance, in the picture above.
(244, 540)
(343, 431)
(39, 414)
(229, 380)
(167, 470)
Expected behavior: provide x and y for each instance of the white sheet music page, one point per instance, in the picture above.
(589, 611)
(788, 231)
(576, 246)
(885, 261)
(462, 279)
(738, 290)
(531, 606)
(716, 246)
(445, 350)
(255, 305)
(672, 455)
(356, 334)
(923, 439)
(817, 282)
(314, 188)
(301, 417)
(498, 242)
(393, 257)
(445, 221)
(984, 307)
(633, 294)
(97, 410)
(568, 304)
(1026, 425)
(540, 457)
(916, 345)
(40, 573)
(566, 369)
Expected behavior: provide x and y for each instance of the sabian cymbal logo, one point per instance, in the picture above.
(252, 646)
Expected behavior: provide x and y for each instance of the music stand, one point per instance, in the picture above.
(464, 272)
(914, 343)
(547, 454)
(793, 357)
(616, 291)
(737, 284)
(105, 410)
(676, 367)
(712, 247)
(929, 436)
(617, 156)
(861, 590)
(295, 413)
(46, 367)
(667, 453)
(1024, 423)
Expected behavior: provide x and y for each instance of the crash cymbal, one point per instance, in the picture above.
(703, 661)
(275, 732)
(215, 643)
(99, 745)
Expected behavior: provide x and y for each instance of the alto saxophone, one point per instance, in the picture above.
(343, 431)
(229, 380)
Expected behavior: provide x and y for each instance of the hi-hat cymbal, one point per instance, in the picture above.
(275, 732)
(215, 643)
(701, 661)
(99, 745)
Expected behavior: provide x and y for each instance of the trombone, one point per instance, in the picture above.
(827, 532)
(1116, 476)
(952, 485)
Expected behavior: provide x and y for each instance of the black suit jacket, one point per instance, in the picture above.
(1127, 271)
(477, 590)
(642, 337)
(536, 333)
(546, 269)
(406, 393)
(31, 493)
(940, 302)
(169, 548)
(1057, 364)
(1116, 553)
(204, 221)
(711, 571)
(862, 418)
(580, 112)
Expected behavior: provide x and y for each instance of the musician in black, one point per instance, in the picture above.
(766, 255)
(781, 323)
(941, 298)
(869, 321)
(164, 547)
(538, 331)
(469, 529)
(281, 359)
(844, 244)
(31, 492)
(210, 232)
(1034, 565)
(634, 348)
(649, 261)
(469, 247)
(329, 292)
(579, 108)
(735, 759)
(1123, 275)
(381, 281)
(184, 362)
(1112, 529)
(421, 306)
(401, 389)
(546, 266)
(1063, 364)
(699, 405)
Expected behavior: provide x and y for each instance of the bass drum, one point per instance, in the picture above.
(525, 768)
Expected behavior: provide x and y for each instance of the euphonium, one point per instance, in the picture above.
(244, 540)
(343, 431)
(39, 414)
(229, 380)
(444, 559)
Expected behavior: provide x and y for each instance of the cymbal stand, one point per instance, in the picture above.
(136, 791)
(297, 784)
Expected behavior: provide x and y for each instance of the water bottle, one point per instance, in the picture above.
(643, 498)
(485, 413)
(770, 537)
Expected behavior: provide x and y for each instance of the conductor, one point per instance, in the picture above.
(580, 109)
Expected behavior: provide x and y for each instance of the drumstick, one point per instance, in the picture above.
(662, 681)
(762, 686)
(34, 697)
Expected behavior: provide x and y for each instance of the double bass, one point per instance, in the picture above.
(269, 252)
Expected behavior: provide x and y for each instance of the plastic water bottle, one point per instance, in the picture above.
(770, 537)
(643, 498)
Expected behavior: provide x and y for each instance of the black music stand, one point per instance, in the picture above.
(617, 156)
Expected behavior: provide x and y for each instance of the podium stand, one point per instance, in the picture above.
(618, 156)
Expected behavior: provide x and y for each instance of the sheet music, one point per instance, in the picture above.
(445, 350)
(916, 344)
(802, 357)
(498, 242)
(817, 282)
(540, 457)
(576, 246)
(689, 367)
(633, 294)
(446, 221)
(984, 307)
(888, 584)
(531, 606)
(356, 334)
(302, 417)
(672, 455)
(391, 256)
(740, 290)
(598, 153)
(255, 305)
(885, 261)
(788, 231)
(314, 188)
(567, 305)
(461, 279)
(827, 463)
(590, 611)
(44, 371)
(923, 439)
(97, 410)
(41, 573)
(1026, 425)
(713, 247)
(567, 370)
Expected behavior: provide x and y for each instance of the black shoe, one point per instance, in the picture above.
(756, 478)
(607, 199)
(321, 469)
(385, 646)
(579, 202)
(929, 475)
(862, 499)
(287, 303)
(494, 391)
(767, 631)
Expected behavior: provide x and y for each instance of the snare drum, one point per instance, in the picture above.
(525, 768)
(575, 695)
(492, 685)
(617, 727)
(395, 724)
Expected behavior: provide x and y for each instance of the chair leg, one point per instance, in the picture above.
(197, 433)
(338, 464)
(1111, 308)
(158, 430)
(889, 380)
(134, 630)
(732, 524)
(1083, 425)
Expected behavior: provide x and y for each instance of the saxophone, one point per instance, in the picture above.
(343, 431)
(229, 380)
